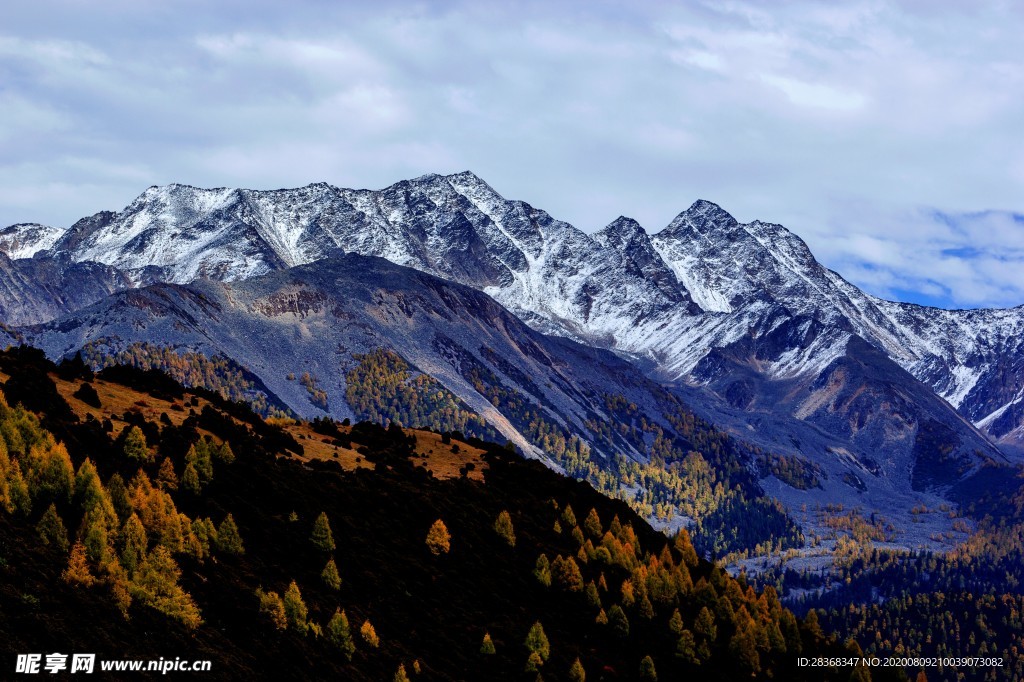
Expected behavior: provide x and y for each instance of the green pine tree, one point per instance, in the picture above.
(322, 537)
(51, 529)
(295, 608)
(228, 539)
(339, 634)
(330, 575)
(503, 527)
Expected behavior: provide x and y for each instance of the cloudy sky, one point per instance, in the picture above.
(890, 136)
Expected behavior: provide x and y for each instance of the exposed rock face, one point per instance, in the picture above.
(763, 339)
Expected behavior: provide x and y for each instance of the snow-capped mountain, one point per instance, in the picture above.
(25, 240)
(319, 321)
(704, 282)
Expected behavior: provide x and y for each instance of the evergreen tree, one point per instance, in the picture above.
(18, 495)
(133, 543)
(675, 623)
(322, 537)
(198, 455)
(593, 598)
(568, 517)
(438, 538)
(166, 478)
(295, 608)
(340, 635)
(52, 477)
(119, 587)
(118, 493)
(618, 621)
(156, 584)
(567, 574)
(272, 605)
(704, 627)
(487, 646)
(400, 674)
(135, 447)
(51, 529)
(88, 489)
(542, 570)
(224, 453)
(330, 575)
(592, 524)
(369, 634)
(228, 539)
(533, 662)
(77, 571)
(647, 671)
(576, 672)
(686, 647)
(190, 479)
(537, 641)
(602, 618)
(503, 527)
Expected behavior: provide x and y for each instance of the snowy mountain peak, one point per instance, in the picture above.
(24, 240)
(702, 217)
(622, 230)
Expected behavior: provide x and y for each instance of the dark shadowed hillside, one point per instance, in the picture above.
(142, 520)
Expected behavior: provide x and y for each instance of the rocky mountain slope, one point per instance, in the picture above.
(360, 338)
(703, 282)
(739, 318)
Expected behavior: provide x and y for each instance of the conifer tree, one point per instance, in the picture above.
(135, 447)
(400, 674)
(369, 634)
(190, 479)
(576, 672)
(133, 543)
(88, 489)
(156, 584)
(568, 517)
(18, 495)
(119, 587)
(272, 605)
(567, 574)
(224, 453)
(51, 529)
(228, 539)
(118, 493)
(503, 527)
(533, 662)
(438, 538)
(339, 633)
(647, 671)
(686, 647)
(618, 621)
(537, 641)
(593, 598)
(542, 570)
(675, 623)
(166, 478)
(53, 477)
(77, 571)
(592, 524)
(198, 455)
(330, 575)
(487, 646)
(295, 608)
(322, 536)
(602, 618)
(704, 626)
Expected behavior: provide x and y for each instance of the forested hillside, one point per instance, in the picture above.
(142, 520)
